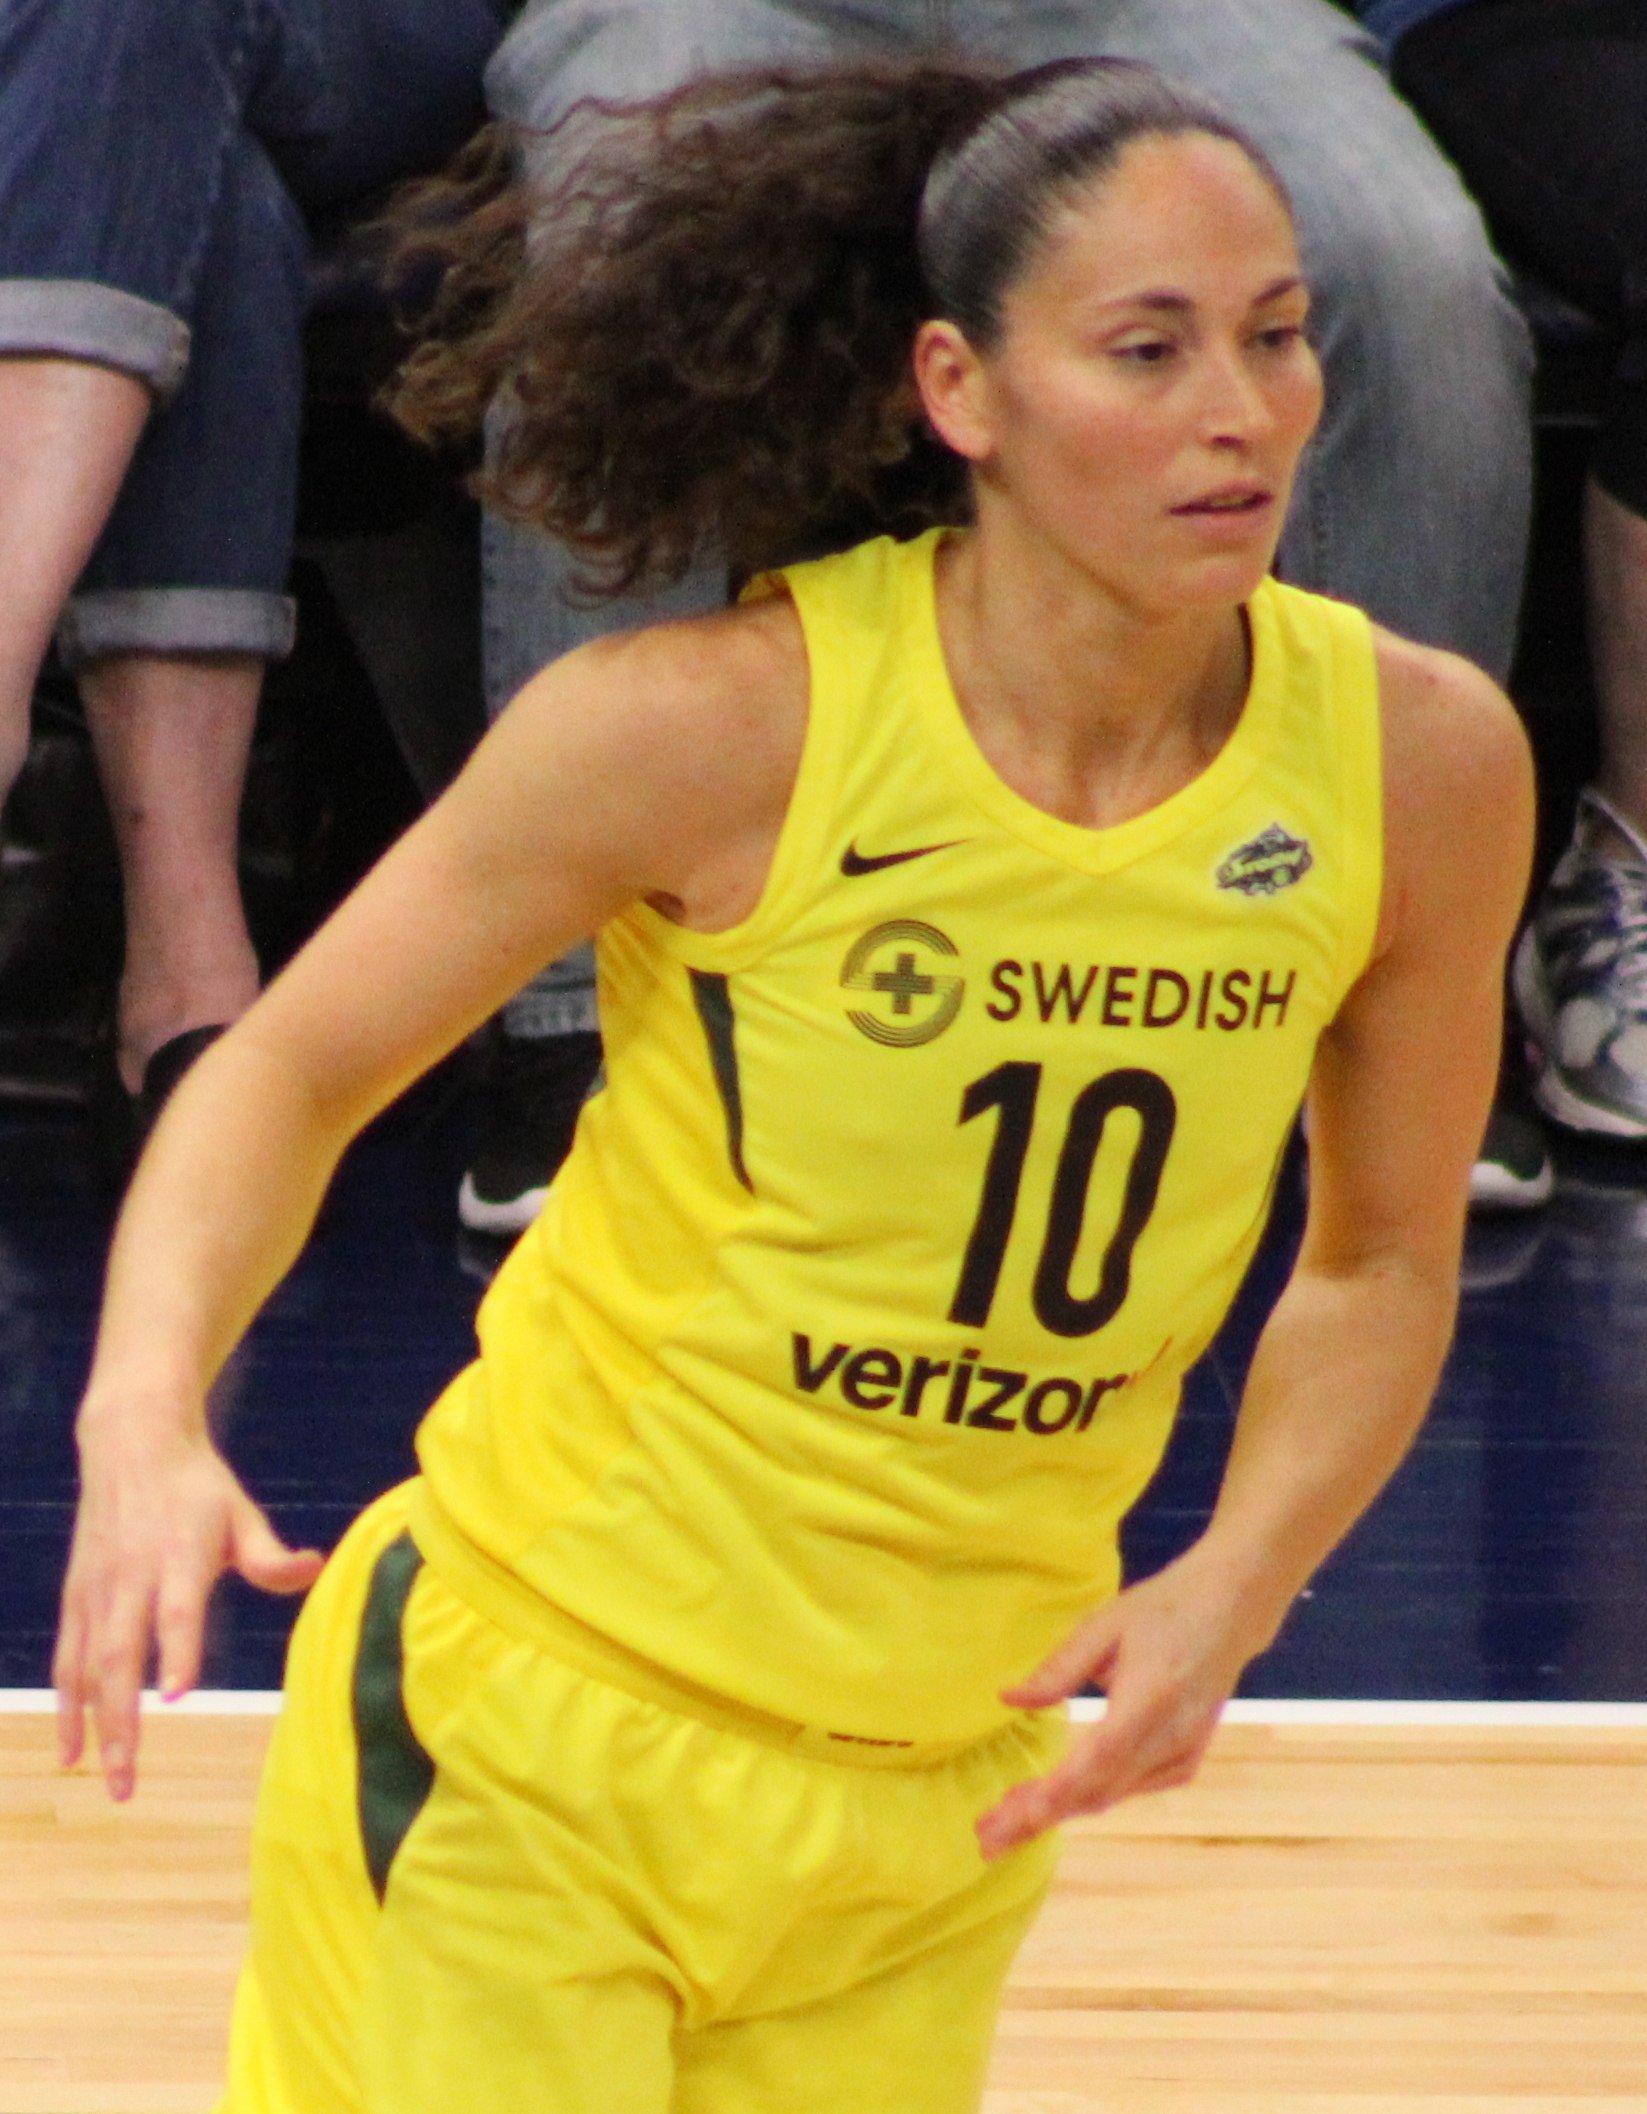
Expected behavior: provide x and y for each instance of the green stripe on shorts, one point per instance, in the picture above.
(395, 1772)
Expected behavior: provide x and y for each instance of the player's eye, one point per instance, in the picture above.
(1146, 352)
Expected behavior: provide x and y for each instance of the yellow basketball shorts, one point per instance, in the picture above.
(485, 1881)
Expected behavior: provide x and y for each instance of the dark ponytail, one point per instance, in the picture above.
(697, 335)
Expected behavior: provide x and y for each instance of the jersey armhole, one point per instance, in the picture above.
(1357, 708)
(813, 798)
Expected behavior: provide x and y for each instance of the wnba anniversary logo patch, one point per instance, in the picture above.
(906, 968)
(1271, 862)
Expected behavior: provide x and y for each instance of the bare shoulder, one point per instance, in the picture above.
(1450, 733)
(666, 756)
(1458, 786)
(718, 679)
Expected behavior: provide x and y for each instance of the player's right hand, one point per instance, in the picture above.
(160, 1519)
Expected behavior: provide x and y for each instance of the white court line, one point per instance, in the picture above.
(204, 1703)
(1463, 1716)
(265, 1703)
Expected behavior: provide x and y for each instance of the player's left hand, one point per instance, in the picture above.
(1167, 1654)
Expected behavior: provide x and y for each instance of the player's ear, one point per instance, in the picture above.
(954, 389)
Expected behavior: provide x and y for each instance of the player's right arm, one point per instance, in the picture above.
(654, 765)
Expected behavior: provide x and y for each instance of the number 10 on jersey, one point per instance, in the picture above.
(1014, 1090)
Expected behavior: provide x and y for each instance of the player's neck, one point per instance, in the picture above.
(1090, 708)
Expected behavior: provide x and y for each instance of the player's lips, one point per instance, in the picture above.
(1228, 500)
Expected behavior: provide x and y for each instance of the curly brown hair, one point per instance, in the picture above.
(696, 335)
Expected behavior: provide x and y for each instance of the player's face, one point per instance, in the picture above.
(1145, 406)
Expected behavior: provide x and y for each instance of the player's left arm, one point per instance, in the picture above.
(1346, 1366)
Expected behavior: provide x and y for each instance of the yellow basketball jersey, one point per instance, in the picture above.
(856, 1319)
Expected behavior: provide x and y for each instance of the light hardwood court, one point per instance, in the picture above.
(1336, 1919)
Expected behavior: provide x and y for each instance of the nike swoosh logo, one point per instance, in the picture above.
(854, 862)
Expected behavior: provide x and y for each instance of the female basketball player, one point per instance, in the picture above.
(974, 912)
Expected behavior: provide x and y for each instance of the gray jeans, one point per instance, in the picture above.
(1413, 498)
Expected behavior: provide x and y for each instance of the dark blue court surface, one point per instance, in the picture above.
(317, 1410)
(1507, 1561)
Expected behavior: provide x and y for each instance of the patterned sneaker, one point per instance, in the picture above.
(534, 1089)
(1581, 982)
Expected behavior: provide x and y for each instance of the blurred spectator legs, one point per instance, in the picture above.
(1581, 966)
(172, 736)
(67, 431)
(157, 161)
(1615, 549)
(1545, 110)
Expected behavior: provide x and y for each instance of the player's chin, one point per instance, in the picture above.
(1217, 579)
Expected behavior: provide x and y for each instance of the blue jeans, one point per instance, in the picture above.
(157, 161)
(1413, 498)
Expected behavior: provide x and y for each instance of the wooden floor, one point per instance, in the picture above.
(1329, 1922)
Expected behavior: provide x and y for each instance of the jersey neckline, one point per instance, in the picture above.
(1094, 850)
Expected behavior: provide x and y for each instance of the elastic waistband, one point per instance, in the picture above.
(495, 1592)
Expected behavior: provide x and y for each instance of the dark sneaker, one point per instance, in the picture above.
(1512, 1171)
(162, 1075)
(1581, 982)
(533, 1092)
(121, 1120)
